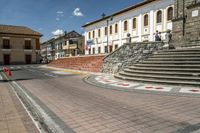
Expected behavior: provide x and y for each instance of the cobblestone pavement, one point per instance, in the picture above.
(13, 117)
(89, 109)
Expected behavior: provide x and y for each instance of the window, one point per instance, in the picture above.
(116, 28)
(27, 44)
(106, 49)
(159, 17)
(6, 43)
(116, 46)
(134, 23)
(106, 30)
(170, 13)
(99, 50)
(93, 34)
(146, 20)
(125, 25)
(110, 29)
(99, 33)
(89, 35)
(93, 50)
(37, 44)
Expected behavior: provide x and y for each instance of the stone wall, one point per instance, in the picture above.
(91, 63)
(129, 54)
(186, 29)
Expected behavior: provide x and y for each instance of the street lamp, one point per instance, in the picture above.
(110, 18)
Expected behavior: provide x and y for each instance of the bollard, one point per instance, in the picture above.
(9, 72)
(4, 70)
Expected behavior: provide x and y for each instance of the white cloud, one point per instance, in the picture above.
(77, 12)
(58, 32)
(59, 12)
(57, 19)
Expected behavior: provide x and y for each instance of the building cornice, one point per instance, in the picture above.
(120, 12)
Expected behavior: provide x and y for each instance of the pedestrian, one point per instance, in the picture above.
(157, 36)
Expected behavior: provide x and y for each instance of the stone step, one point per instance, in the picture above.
(186, 78)
(163, 72)
(178, 53)
(165, 69)
(174, 59)
(153, 80)
(170, 62)
(182, 50)
(168, 65)
(176, 56)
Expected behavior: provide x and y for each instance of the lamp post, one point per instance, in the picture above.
(110, 18)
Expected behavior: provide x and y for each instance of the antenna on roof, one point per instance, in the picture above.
(103, 15)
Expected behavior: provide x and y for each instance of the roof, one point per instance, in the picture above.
(120, 12)
(19, 30)
(72, 34)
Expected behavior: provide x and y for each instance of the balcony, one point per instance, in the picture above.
(6, 48)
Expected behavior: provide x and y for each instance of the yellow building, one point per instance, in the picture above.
(19, 45)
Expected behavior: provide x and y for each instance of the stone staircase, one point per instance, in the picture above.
(178, 66)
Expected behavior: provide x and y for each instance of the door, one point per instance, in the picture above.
(6, 59)
(28, 59)
(110, 48)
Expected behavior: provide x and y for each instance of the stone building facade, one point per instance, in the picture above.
(186, 23)
(19, 45)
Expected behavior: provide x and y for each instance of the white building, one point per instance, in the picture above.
(141, 21)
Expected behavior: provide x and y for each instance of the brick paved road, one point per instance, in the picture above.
(88, 109)
(13, 118)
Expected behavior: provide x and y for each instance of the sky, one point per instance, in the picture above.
(51, 17)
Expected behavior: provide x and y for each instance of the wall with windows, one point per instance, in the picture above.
(141, 23)
(17, 47)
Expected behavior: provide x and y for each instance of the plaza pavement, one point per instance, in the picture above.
(87, 108)
(13, 117)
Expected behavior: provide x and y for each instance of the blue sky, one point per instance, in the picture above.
(47, 16)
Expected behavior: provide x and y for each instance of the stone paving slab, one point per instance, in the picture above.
(13, 117)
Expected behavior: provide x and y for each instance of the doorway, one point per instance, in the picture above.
(6, 59)
(28, 59)
(110, 48)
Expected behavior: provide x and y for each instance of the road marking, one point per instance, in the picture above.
(50, 75)
(31, 70)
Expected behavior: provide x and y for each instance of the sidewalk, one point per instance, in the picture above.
(13, 117)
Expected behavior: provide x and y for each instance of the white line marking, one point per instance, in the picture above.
(46, 116)
(50, 75)
(35, 122)
(31, 70)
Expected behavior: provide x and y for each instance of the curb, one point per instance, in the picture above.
(104, 86)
